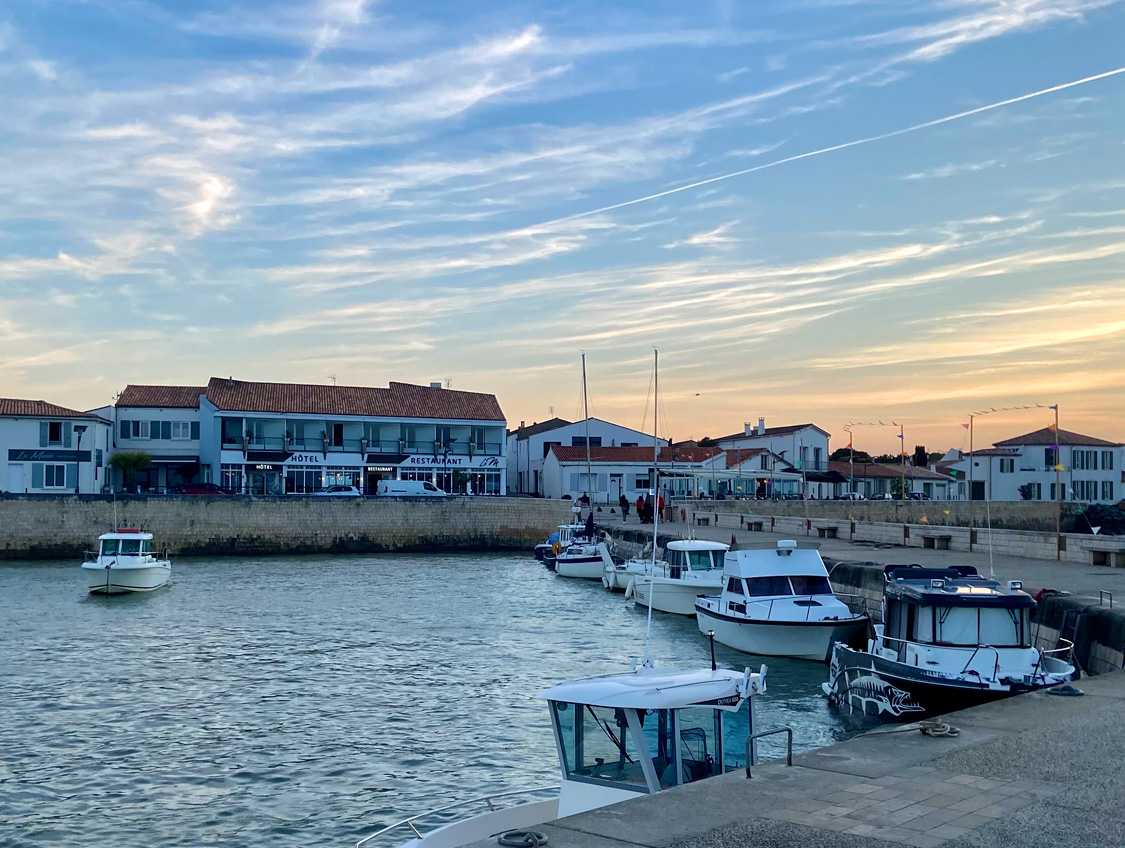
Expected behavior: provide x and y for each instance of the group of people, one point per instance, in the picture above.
(644, 507)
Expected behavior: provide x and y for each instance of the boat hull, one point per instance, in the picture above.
(486, 825)
(586, 568)
(894, 691)
(672, 596)
(805, 640)
(103, 580)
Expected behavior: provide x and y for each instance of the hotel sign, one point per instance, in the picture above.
(306, 459)
(16, 455)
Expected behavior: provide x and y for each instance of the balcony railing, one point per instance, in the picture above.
(430, 448)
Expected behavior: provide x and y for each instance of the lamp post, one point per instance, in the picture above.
(445, 464)
(79, 429)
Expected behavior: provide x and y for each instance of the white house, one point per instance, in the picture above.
(804, 446)
(1026, 468)
(163, 422)
(51, 449)
(271, 438)
(614, 471)
(529, 445)
(872, 479)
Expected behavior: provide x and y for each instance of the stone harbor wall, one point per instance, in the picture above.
(48, 527)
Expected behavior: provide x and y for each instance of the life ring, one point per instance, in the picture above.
(629, 590)
(683, 514)
(556, 548)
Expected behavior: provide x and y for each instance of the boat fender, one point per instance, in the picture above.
(522, 839)
(629, 590)
(605, 581)
(556, 548)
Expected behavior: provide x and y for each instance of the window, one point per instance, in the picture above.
(338, 435)
(628, 444)
(734, 586)
(699, 560)
(54, 433)
(1107, 490)
(140, 429)
(300, 479)
(972, 626)
(408, 435)
(1007, 465)
(256, 430)
(477, 438)
(232, 431)
(230, 476)
(811, 585)
(98, 458)
(1050, 457)
(1084, 460)
(599, 746)
(765, 460)
(1107, 460)
(765, 587)
(580, 441)
(297, 434)
(54, 476)
(1085, 490)
(640, 483)
(180, 430)
(441, 437)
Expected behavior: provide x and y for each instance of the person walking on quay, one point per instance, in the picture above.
(641, 508)
(623, 502)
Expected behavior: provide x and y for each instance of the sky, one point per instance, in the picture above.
(817, 210)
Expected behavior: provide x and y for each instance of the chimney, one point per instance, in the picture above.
(435, 385)
(761, 426)
(747, 429)
(522, 424)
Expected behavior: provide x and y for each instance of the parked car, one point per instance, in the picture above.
(884, 496)
(410, 488)
(918, 496)
(851, 496)
(339, 491)
(202, 489)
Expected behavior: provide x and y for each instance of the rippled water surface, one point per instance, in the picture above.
(308, 701)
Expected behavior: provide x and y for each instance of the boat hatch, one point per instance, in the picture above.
(125, 547)
(638, 750)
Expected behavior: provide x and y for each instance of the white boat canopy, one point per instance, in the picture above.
(697, 545)
(786, 560)
(126, 534)
(649, 688)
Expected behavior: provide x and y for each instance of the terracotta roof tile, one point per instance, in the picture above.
(398, 400)
(1048, 437)
(567, 453)
(540, 427)
(872, 470)
(770, 431)
(161, 397)
(39, 409)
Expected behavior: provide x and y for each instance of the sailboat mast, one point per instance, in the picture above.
(586, 415)
(655, 492)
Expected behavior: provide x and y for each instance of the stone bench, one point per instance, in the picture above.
(751, 524)
(827, 532)
(1112, 558)
(937, 543)
(702, 520)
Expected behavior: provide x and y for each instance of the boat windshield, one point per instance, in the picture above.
(129, 547)
(700, 742)
(699, 560)
(109, 547)
(972, 626)
(766, 587)
(598, 745)
(811, 585)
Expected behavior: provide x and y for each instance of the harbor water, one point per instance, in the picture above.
(310, 700)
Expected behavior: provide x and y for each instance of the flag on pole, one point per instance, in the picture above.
(848, 445)
(966, 426)
(1055, 407)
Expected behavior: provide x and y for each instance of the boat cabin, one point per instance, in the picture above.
(693, 555)
(125, 543)
(786, 572)
(646, 730)
(951, 608)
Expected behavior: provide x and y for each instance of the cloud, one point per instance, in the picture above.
(727, 76)
(46, 71)
(711, 238)
(952, 169)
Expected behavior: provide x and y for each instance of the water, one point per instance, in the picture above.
(309, 701)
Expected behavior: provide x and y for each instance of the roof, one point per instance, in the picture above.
(542, 427)
(641, 454)
(960, 586)
(992, 452)
(659, 689)
(39, 409)
(775, 562)
(736, 457)
(398, 400)
(1048, 436)
(696, 545)
(786, 430)
(877, 470)
(161, 397)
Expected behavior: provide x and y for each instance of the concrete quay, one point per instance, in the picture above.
(1034, 771)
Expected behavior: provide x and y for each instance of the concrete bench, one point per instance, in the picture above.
(826, 532)
(703, 520)
(756, 526)
(937, 543)
(1112, 558)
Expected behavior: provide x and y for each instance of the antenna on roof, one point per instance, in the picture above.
(449, 382)
(551, 411)
(332, 377)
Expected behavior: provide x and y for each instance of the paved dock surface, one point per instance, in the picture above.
(1035, 771)
(1081, 580)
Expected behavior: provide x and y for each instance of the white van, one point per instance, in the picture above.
(410, 488)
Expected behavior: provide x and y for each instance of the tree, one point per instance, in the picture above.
(921, 458)
(845, 454)
(707, 442)
(130, 462)
(896, 488)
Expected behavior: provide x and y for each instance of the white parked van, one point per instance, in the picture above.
(410, 489)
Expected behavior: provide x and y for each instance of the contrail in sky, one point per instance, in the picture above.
(882, 136)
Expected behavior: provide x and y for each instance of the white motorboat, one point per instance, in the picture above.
(690, 568)
(779, 603)
(950, 640)
(618, 736)
(586, 561)
(125, 562)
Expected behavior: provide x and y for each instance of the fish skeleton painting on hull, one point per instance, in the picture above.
(869, 689)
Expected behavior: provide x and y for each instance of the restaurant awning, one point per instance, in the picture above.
(267, 456)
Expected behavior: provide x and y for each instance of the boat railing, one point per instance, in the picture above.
(972, 656)
(89, 556)
(751, 749)
(1067, 648)
(485, 800)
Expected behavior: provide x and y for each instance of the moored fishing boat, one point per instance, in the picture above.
(689, 568)
(125, 562)
(778, 602)
(951, 639)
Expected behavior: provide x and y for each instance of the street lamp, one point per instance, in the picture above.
(445, 465)
(79, 429)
